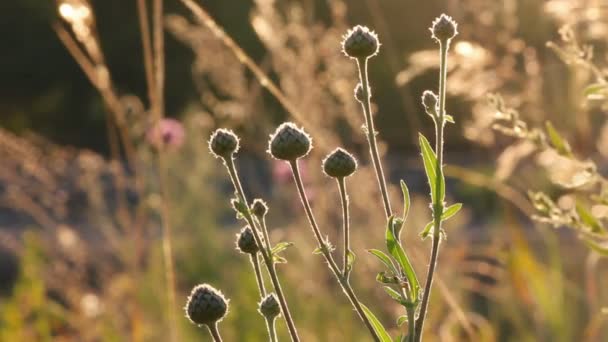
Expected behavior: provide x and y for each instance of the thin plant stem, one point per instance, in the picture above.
(215, 333)
(345, 224)
(268, 245)
(266, 255)
(411, 322)
(343, 281)
(144, 26)
(438, 205)
(371, 136)
(258, 274)
(272, 331)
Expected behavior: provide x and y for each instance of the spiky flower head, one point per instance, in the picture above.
(206, 305)
(289, 142)
(360, 42)
(444, 28)
(339, 164)
(269, 306)
(223, 143)
(245, 241)
(429, 100)
(360, 95)
(259, 208)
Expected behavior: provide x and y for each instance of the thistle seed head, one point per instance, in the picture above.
(259, 208)
(359, 95)
(360, 42)
(269, 306)
(245, 241)
(206, 305)
(430, 102)
(289, 142)
(223, 143)
(339, 164)
(444, 28)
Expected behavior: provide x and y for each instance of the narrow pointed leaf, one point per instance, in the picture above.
(406, 200)
(378, 327)
(588, 219)
(430, 164)
(451, 211)
(402, 319)
(281, 246)
(394, 294)
(427, 230)
(559, 143)
(396, 250)
(597, 247)
(386, 260)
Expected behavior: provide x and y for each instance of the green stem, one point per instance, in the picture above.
(343, 281)
(411, 321)
(272, 331)
(258, 274)
(266, 255)
(215, 333)
(345, 224)
(438, 205)
(371, 136)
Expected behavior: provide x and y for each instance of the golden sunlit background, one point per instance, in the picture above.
(112, 208)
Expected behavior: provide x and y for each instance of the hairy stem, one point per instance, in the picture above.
(258, 274)
(215, 333)
(343, 281)
(438, 205)
(345, 222)
(272, 331)
(371, 136)
(266, 255)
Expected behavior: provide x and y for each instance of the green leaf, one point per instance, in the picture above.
(406, 200)
(317, 251)
(427, 230)
(281, 246)
(394, 294)
(386, 260)
(382, 278)
(588, 219)
(595, 89)
(557, 141)
(240, 208)
(279, 259)
(401, 320)
(396, 250)
(430, 167)
(378, 327)
(449, 118)
(451, 211)
(350, 260)
(601, 249)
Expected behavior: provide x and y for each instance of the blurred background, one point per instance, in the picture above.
(99, 170)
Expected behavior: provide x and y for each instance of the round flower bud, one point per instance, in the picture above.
(339, 164)
(360, 42)
(245, 241)
(289, 142)
(223, 143)
(359, 95)
(269, 306)
(429, 100)
(444, 28)
(259, 208)
(206, 305)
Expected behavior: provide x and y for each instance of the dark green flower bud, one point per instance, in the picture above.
(339, 164)
(259, 208)
(206, 305)
(360, 42)
(223, 143)
(289, 142)
(444, 28)
(245, 241)
(269, 307)
(430, 102)
(359, 95)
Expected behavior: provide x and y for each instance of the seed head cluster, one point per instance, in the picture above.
(429, 100)
(289, 142)
(269, 306)
(339, 164)
(223, 143)
(245, 241)
(360, 42)
(444, 28)
(259, 208)
(206, 305)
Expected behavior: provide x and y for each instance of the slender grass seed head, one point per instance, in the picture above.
(339, 164)
(360, 42)
(223, 143)
(444, 28)
(259, 208)
(269, 306)
(245, 241)
(206, 305)
(289, 142)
